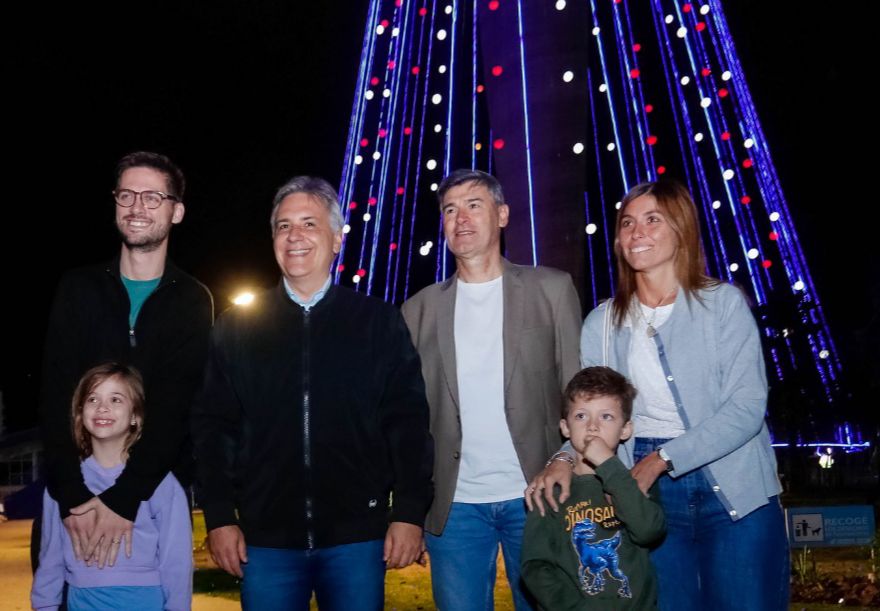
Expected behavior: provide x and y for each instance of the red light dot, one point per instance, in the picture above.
(372, 201)
(661, 169)
(392, 246)
(746, 200)
(493, 6)
(637, 47)
(415, 70)
(391, 64)
(497, 70)
(747, 163)
(634, 73)
(364, 142)
(383, 132)
(384, 23)
(362, 272)
(651, 140)
(374, 80)
(423, 11)
(705, 72)
(725, 136)
(616, 1)
(400, 190)
(767, 263)
(407, 131)
(701, 26)
(397, 3)
(722, 93)
(649, 108)
(774, 236)
(499, 143)
(686, 8)
(340, 268)
(352, 205)
(480, 88)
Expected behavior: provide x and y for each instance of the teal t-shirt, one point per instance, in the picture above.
(138, 291)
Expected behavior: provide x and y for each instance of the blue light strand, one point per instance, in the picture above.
(603, 204)
(527, 129)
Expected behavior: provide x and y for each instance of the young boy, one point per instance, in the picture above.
(593, 553)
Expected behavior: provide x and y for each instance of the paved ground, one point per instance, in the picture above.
(15, 572)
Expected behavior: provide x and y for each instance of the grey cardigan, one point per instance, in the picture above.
(710, 351)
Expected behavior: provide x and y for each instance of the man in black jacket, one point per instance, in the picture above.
(139, 310)
(313, 453)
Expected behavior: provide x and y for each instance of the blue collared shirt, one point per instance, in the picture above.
(307, 305)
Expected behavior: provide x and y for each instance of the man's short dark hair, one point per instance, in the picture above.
(160, 163)
(594, 382)
(466, 175)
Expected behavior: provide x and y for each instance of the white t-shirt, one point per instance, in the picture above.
(654, 411)
(489, 471)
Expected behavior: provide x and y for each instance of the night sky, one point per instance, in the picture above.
(245, 95)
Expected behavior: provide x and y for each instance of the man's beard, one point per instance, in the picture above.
(145, 241)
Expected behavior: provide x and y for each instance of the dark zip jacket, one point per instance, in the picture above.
(309, 422)
(88, 325)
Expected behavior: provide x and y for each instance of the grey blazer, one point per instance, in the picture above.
(542, 319)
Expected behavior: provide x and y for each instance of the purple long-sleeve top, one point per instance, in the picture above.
(161, 551)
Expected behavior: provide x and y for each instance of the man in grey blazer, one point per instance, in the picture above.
(498, 344)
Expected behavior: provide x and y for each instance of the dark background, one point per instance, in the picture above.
(244, 95)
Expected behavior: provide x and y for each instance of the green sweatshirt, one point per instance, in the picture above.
(593, 553)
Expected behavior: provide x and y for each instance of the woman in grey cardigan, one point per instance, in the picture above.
(691, 347)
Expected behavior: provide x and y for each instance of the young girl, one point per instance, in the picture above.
(107, 417)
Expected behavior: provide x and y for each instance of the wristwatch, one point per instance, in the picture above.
(665, 457)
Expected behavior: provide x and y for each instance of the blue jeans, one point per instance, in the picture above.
(707, 560)
(463, 557)
(343, 577)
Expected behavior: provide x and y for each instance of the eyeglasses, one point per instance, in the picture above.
(150, 199)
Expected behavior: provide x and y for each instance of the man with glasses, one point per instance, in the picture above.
(139, 310)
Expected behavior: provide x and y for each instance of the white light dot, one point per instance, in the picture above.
(369, 95)
(669, 19)
(734, 267)
(432, 163)
(424, 251)
(753, 253)
(386, 93)
(591, 229)
(610, 146)
(448, 9)
(380, 29)
(346, 228)
(681, 32)
(596, 31)
(356, 278)
(704, 10)
(436, 98)
(438, 128)
(377, 155)
(358, 159)
(705, 102)
(798, 286)
(244, 299)
(429, 243)
(560, 5)
(603, 88)
(578, 148)
(441, 68)
(728, 174)
(395, 31)
(698, 137)
(685, 80)
(725, 76)
(433, 186)
(567, 76)
(774, 216)
(749, 143)
(367, 216)
(617, 206)
(441, 34)
(823, 354)
(716, 204)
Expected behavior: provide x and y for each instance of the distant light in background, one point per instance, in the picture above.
(243, 299)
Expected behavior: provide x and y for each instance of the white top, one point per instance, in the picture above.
(654, 411)
(490, 471)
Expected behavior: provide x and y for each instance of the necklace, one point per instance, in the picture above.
(650, 330)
